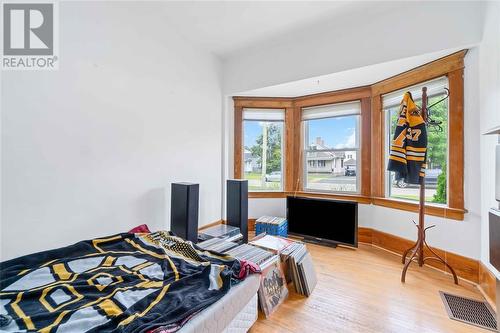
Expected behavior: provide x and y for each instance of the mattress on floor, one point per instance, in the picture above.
(235, 312)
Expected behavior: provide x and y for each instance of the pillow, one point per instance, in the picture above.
(143, 228)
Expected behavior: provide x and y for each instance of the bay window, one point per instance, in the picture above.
(336, 144)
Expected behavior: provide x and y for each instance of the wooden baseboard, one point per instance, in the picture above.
(487, 284)
(251, 224)
(466, 268)
(365, 235)
(211, 224)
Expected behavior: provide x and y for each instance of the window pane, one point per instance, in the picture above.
(331, 151)
(437, 156)
(331, 171)
(262, 156)
(332, 133)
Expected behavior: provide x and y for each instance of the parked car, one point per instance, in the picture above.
(431, 176)
(350, 170)
(274, 176)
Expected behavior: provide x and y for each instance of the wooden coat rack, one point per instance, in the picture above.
(417, 250)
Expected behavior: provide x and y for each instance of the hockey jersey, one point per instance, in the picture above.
(408, 151)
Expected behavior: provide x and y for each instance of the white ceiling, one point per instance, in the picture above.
(226, 27)
(346, 79)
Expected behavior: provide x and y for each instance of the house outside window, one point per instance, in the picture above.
(331, 145)
(263, 148)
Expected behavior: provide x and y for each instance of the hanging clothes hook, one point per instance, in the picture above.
(434, 123)
(442, 99)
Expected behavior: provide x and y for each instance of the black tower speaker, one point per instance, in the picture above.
(184, 210)
(237, 205)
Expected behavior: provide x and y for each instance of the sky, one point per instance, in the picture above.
(336, 132)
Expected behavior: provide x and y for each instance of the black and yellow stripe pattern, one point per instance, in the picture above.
(408, 150)
(123, 283)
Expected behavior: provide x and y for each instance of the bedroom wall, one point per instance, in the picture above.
(91, 149)
(489, 102)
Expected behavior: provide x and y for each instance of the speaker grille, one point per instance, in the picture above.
(470, 311)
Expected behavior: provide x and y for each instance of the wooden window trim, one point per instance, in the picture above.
(350, 197)
(288, 130)
(372, 139)
(332, 97)
(266, 195)
(238, 142)
(336, 196)
(293, 166)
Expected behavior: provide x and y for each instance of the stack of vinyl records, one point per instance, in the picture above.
(220, 245)
(300, 268)
(223, 231)
(271, 225)
(271, 243)
(254, 254)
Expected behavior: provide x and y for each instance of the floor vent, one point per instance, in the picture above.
(469, 311)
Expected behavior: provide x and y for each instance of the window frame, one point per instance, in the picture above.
(388, 138)
(372, 145)
(305, 143)
(241, 103)
(283, 140)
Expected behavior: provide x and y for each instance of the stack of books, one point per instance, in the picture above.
(300, 268)
(271, 225)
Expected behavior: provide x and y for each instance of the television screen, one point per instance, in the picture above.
(322, 220)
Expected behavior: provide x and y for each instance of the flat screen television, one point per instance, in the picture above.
(330, 222)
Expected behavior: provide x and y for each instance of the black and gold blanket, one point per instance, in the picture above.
(121, 283)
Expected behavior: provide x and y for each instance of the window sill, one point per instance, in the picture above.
(269, 194)
(350, 197)
(434, 210)
(338, 196)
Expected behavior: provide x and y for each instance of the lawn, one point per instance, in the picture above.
(411, 197)
(252, 176)
(254, 182)
(313, 177)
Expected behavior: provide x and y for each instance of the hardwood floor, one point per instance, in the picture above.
(360, 291)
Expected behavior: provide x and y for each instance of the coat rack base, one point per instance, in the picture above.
(417, 255)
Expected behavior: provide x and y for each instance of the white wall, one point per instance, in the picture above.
(89, 150)
(388, 31)
(489, 103)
